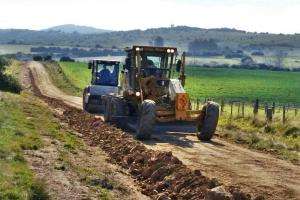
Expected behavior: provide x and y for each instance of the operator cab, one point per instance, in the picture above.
(105, 81)
(151, 61)
(104, 73)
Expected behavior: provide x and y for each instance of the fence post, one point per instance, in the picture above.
(269, 115)
(243, 109)
(231, 109)
(273, 107)
(283, 114)
(255, 107)
(266, 107)
(222, 106)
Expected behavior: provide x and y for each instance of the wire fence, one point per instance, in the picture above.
(257, 108)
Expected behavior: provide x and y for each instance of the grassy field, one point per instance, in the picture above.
(247, 84)
(12, 49)
(69, 77)
(77, 73)
(281, 87)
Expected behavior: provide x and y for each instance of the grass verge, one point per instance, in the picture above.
(282, 140)
(24, 121)
(20, 128)
(60, 80)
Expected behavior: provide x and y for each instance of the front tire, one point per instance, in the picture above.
(107, 110)
(209, 121)
(146, 120)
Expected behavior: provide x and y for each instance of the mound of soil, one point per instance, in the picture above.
(159, 174)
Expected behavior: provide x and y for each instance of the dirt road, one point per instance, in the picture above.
(47, 88)
(74, 175)
(254, 172)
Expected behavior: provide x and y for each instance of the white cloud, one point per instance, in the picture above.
(256, 15)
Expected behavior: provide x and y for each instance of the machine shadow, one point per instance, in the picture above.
(176, 135)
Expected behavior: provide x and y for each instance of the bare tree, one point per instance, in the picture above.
(158, 41)
(279, 57)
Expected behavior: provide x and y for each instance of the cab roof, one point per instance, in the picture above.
(150, 49)
(108, 62)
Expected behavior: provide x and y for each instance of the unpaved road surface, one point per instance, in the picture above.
(254, 172)
(48, 89)
(68, 175)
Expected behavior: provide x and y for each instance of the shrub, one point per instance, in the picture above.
(257, 53)
(3, 63)
(48, 58)
(293, 131)
(37, 58)
(8, 82)
(66, 59)
(38, 191)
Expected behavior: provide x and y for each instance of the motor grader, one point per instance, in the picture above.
(151, 92)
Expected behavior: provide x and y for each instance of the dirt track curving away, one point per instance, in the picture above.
(45, 85)
(255, 173)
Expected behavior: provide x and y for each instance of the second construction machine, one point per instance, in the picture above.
(151, 91)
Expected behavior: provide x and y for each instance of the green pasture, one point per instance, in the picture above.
(77, 73)
(281, 87)
(12, 49)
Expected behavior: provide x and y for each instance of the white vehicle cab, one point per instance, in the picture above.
(105, 81)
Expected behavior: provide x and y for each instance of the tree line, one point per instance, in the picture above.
(77, 52)
(173, 36)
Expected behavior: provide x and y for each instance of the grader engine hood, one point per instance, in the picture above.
(181, 99)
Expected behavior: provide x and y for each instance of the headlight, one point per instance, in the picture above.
(172, 50)
(168, 50)
(137, 49)
(137, 94)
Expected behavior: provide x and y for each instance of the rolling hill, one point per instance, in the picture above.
(178, 36)
(71, 28)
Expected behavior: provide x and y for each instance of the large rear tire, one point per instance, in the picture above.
(113, 106)
(107, 110)
(146, 121)
(208, 124)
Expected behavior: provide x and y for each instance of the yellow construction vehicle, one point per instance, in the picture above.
(151, 91)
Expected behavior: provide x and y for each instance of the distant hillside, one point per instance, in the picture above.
(71, 28)
(176, 36)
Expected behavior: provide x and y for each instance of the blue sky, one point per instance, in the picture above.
(273, 16)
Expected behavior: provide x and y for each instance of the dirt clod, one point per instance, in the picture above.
(218, 193)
